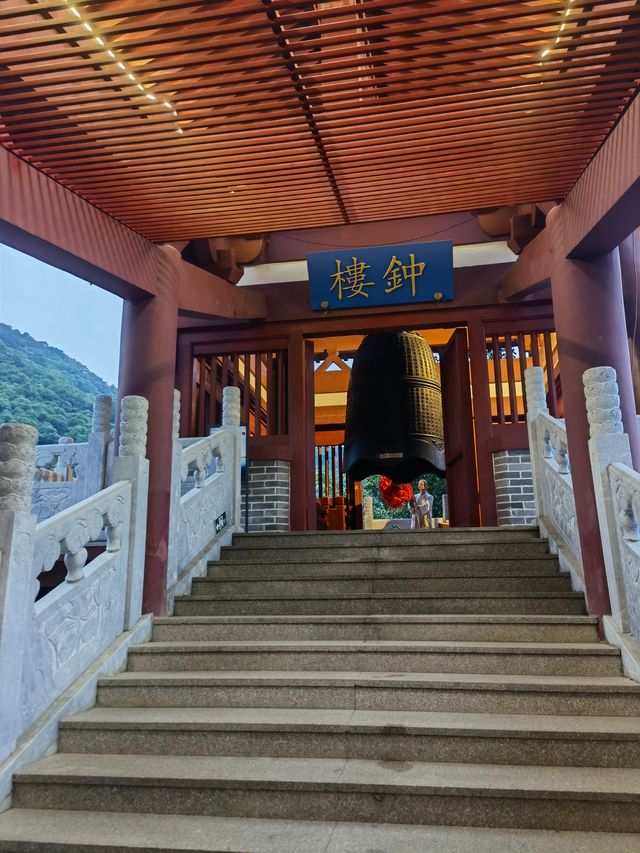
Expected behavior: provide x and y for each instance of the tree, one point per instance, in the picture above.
(42, 386)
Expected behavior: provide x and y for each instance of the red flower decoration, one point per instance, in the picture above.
(393, 494)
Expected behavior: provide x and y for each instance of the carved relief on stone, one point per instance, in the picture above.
(17, 466)
(559, 507)
(67, 636)
(133, 426)
(625, 489)
(603, 400)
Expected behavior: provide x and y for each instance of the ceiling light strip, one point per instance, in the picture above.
(123, 66)
(553, 45)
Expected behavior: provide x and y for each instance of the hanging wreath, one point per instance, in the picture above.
(395, 495)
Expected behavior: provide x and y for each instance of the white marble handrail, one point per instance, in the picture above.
(81, 469)
(47, 644)
(553, 486)
(69, 532)
(205, 505)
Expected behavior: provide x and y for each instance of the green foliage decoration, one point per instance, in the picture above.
(42, 386)
(436, 486)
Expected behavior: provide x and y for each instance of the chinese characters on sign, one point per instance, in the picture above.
(381, 275)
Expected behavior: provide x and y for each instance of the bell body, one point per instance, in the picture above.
(394, 409)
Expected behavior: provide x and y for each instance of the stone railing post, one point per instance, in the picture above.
(231, 422)
(608, 444)
(98, 446)
(17, 526)
(367, 515)
(131, 464)
(176, 492)
(536, 399)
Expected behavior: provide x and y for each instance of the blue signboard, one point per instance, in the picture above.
(381, 275)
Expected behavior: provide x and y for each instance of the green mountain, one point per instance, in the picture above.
(42, 386)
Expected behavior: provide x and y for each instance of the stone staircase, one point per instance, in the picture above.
(380, 692)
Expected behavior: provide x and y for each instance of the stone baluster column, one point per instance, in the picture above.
(95, 475)
(231, 422)
(608, 444)
(17, 527)
(63, 458)
(130, 464)
(536, 399)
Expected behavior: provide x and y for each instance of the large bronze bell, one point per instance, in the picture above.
(394, 409)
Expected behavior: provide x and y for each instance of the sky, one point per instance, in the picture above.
(68, 313)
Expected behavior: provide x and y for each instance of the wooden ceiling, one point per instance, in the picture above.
(196, 119)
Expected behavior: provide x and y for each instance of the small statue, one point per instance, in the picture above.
(420, 507)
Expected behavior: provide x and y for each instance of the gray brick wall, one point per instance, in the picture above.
(514, 487)
(269, 496)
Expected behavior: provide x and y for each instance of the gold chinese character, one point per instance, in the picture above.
(351, 278)
(393, 275)
(397, 273)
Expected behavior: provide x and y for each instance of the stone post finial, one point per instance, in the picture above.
(534, 389)
(603, 401)
(17, 466)
(176, 414)
(231, 406)
(133, 426)
(101, 422)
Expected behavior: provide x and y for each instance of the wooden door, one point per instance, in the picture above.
(460, 455)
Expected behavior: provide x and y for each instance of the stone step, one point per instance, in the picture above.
(539, 603)
(371, 735)
(540, 629)
(260, 587)
(422, 554)
(375, 691)
(499, 796)
(62, 831)
(356, 538)
(588, 659)
(385, 568)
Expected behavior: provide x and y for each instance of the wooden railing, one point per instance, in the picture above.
(509, 354)
(262, 380)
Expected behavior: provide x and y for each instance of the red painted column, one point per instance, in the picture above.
(147, 368)
(590, 323)
(630, 265)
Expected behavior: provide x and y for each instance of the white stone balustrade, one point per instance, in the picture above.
(617, 492)
(87, 463)
(553, 489)
(46, 645)
(205, 501)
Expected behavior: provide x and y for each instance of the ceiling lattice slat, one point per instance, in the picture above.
(194, 119)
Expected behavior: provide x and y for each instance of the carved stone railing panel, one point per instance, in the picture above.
(625, 491)
(210, 495)
(205, 503)
(46, 644)
(65, 459)
(69, 532)
(70, 628)
(554, 489)
(66, 472)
